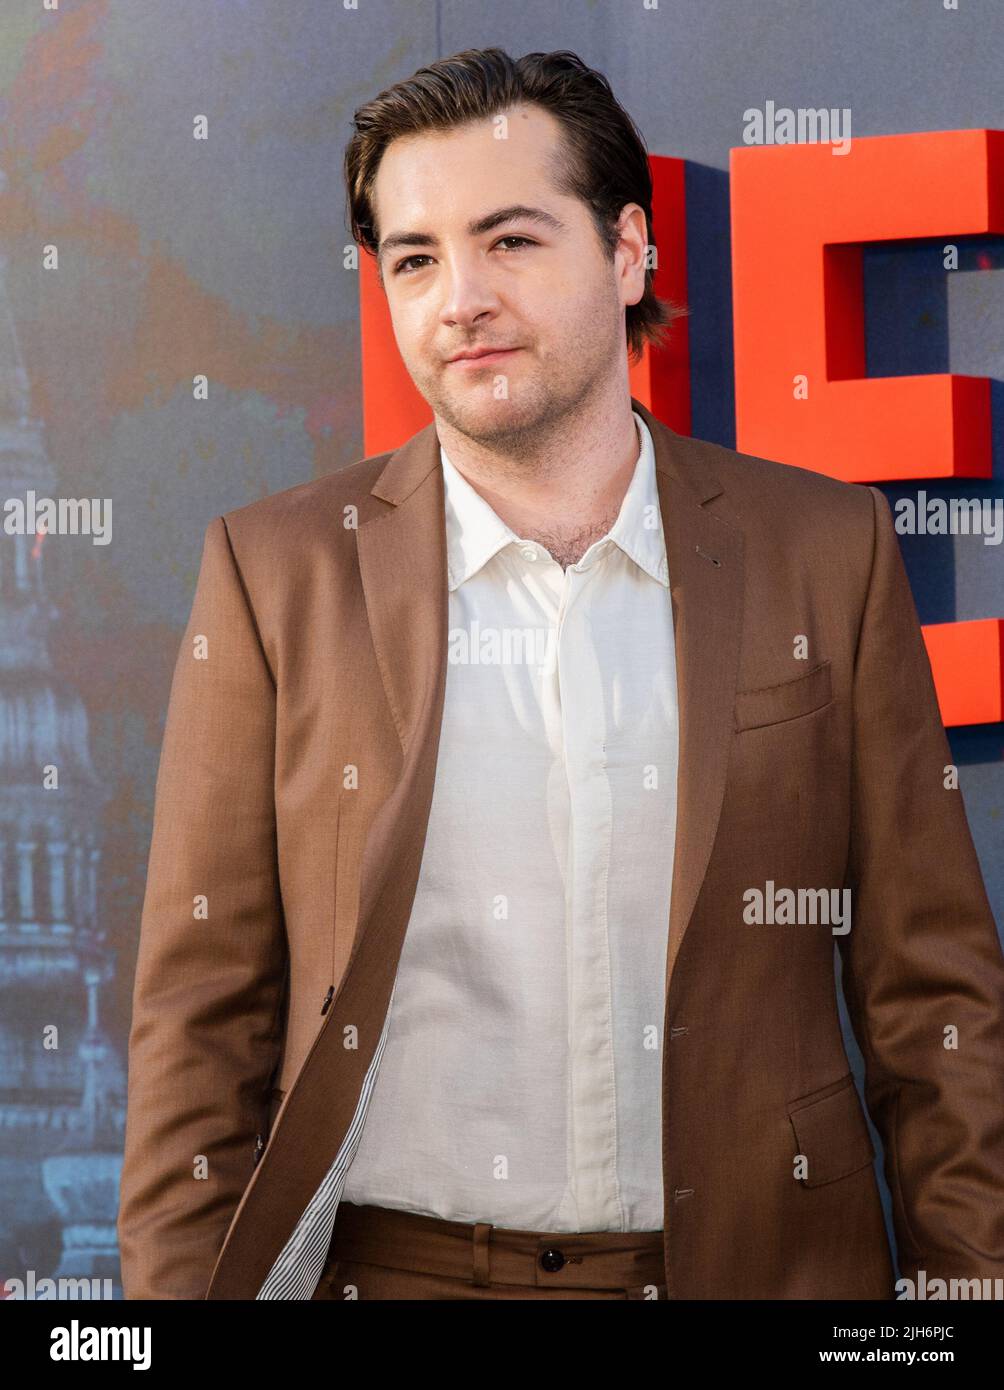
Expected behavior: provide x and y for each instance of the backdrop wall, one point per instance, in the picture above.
(224, 256)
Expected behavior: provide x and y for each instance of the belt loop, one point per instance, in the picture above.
(482, 1239)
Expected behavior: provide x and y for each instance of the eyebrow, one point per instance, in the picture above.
(517, 212)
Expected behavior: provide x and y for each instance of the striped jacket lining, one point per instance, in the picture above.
(299, 1265)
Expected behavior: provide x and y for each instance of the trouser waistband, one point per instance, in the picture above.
(494, 1254)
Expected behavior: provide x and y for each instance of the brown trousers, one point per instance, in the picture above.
(377, 1252)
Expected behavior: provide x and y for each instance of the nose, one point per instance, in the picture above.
(468, 295)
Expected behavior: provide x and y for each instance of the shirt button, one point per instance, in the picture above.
(529, 553)
(551, 1260)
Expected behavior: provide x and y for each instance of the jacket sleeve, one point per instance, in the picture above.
(923, 972)
(205, 1033)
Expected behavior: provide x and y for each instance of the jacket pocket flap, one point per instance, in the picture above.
(771, 704)
(831, 1133)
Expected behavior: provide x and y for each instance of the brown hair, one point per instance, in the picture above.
(603, 161)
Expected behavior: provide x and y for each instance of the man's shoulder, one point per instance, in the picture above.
(756, 487)
(295, 512)
(780, 508)
(793, 521)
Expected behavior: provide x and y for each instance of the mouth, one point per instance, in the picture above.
(484, 359)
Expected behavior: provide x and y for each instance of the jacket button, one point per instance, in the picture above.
(259, 1148)
(551, 1260)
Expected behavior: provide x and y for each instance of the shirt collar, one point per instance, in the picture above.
(475, 532)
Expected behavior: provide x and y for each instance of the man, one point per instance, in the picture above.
(515, 788)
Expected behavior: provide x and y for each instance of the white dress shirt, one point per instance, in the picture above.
(521, 1082)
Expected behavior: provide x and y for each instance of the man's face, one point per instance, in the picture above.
(543, 289)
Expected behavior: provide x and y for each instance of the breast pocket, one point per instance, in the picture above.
(775, 704)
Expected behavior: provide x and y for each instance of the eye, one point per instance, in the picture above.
(399, 269)
(524, 240)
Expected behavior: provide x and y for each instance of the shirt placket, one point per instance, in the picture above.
(592, 1092)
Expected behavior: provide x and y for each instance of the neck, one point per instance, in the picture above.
(564, 486)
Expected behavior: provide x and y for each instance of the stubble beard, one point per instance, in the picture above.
(523, 424)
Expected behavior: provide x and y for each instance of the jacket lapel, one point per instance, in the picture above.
(705, 557)
(402, 563)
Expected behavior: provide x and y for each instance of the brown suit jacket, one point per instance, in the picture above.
(277, 899)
